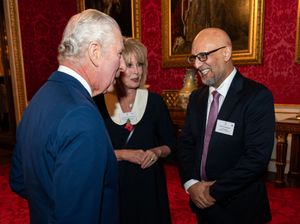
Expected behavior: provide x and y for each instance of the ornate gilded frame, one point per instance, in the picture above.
(297, 56)
(11, 13)
(250, 55)
(135, 16)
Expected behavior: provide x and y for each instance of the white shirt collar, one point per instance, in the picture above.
(74, 74)
(224, 87)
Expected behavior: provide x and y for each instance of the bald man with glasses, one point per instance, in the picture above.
(227, 138)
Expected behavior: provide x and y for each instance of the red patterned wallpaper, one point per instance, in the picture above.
(278, 70)
(42, 23)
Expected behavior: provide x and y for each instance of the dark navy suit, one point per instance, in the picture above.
(237, 162)
(63, 162)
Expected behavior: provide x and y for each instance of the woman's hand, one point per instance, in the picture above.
(144, 158)
(150, 157)
(130, 155)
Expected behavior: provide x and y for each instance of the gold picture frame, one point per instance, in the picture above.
(14, 43)
(135, 17)
(249, 50)
(297, 56)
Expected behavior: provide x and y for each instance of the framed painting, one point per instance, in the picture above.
(183, 19)
(297, 58)
(13, 99)
(125, 12)
(15, 64)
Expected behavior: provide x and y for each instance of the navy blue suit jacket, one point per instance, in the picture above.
(237, 163)
(63, 162)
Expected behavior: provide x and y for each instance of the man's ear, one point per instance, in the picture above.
(94, 52)
(227, 53)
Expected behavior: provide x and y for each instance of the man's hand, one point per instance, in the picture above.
(199, 194)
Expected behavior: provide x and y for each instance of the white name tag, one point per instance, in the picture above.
(125, 116)
(225, 127)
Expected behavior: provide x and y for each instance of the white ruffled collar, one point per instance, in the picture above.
(115, 111)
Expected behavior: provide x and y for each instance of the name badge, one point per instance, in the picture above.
(225, 127)
(124, 117)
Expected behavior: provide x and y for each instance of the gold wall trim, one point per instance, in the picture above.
(297, 55)
(11, 13)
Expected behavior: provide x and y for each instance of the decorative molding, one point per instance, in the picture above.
(170, 97)
(287, 109)
(80, 5)
(136, 18)
(297, 55)
(11, 12)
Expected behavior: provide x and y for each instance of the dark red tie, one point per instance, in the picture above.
(213, 113)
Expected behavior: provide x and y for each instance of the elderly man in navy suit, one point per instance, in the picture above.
(227, 139)
(63, 162)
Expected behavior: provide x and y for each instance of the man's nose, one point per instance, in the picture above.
(198, 63)
(122, 64)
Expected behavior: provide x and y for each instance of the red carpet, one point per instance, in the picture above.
(285, 202)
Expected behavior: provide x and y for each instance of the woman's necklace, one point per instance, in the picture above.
(128, 101)
(127, 105)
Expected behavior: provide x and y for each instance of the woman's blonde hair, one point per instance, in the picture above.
(136, 48)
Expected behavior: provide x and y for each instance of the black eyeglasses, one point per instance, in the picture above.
(202, 56)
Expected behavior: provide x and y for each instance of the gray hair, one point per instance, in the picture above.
(83, 28)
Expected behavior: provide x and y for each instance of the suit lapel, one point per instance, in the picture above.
(200, 115)
(232, 98)
(202, 109)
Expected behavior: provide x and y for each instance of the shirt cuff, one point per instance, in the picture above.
(189, 183)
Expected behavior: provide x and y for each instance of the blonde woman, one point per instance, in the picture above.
(142, 134)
